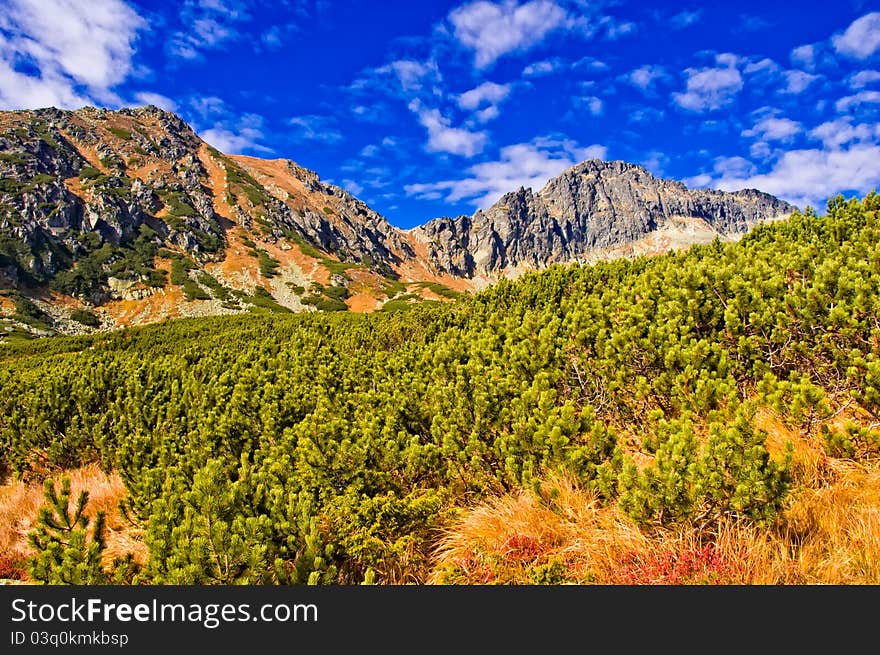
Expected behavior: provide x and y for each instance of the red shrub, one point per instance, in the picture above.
(704, 565)
(522, 548)
(12, 568)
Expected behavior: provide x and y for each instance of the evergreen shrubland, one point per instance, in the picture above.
(331, 448)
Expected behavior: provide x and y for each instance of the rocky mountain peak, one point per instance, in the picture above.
(592, 209)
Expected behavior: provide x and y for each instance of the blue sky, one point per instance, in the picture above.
(426, 108)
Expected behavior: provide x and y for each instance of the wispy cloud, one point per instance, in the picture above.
(709, 89)
(810, 176)
(55, 52)
(592, 104)
(656, 162)
(861, 39)
(615, 30)
(841, 131)
(644, 114)
(772, 128)
(230, 133)
(412, 75)
(492, 30)
(860, 98)
(685, 19)
(644, 77)
(210, 24)
(528, 165)
(157, 99)
(590, 65)
(543, 67)
(804, 56)
(443, 137)
(797, 81)
(315, 128)
(486, 93)
(863, 78)
(352, 187)
(750, 23)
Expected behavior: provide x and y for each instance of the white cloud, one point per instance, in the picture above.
(645, 114)
(590, 64)
(592, 104)
(615, 30)
(768, 73)
(490, 113)
(749, 23)
(488, 93)
(542, 68)
(492, 29)
(860, 98)
(863, 78)
(806, 177)
(728, 59)
(771, 128)
(645, 76)
(208, 106)
(797, 81)
(315, 128)
(79, 54)
(733, 167)
(763, 66)
(352, 187)
(374, 112)
(370, 150)
(804, 55)
(861, 39)
(655, 162)
(271, 38)
(444, 138)
(841, 131)
(809, 177)
(685, 19)
(710, 88)
(209, 25)
(412, 75)
(157, 99)
(760, 150)
(236, 136)
(528, 165)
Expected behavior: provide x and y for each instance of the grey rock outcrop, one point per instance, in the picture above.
(592, 206)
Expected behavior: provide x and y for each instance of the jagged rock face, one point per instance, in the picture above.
(594, 205)
(66, 174)
(352, 230)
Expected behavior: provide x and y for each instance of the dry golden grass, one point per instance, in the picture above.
(21, 501)
(810, 465)
(564, 529)
(829, 534)
(837, 528)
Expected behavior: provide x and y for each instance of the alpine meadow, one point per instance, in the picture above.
(637, 344)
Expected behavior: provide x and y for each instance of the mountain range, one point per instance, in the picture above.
(113, 218)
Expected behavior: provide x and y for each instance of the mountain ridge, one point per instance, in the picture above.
(100, 208)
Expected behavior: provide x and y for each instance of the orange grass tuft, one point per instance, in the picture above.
(20, 502)
(560, 533)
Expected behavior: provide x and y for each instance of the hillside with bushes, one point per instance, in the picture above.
(707, 415)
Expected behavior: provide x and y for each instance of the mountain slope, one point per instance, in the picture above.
(593, 209)
(121, 217)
